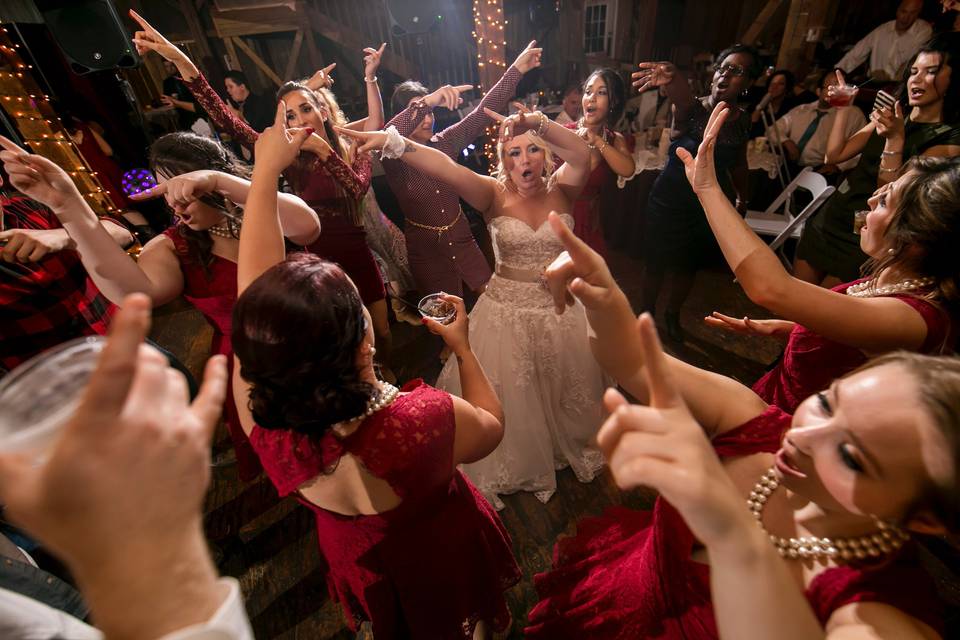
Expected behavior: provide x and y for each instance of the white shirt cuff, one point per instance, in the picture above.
(229, 622)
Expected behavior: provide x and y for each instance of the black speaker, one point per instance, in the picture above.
(89, 33)
(414, 16)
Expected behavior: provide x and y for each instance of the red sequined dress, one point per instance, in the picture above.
(213, 291)
(431, 567)
(333, 188)
(629, 574)
(811, 362)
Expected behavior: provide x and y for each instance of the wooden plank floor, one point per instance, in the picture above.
(270, 546)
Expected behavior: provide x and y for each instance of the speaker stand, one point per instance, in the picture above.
(127, 89)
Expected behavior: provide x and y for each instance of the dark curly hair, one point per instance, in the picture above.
(755, 68)
(296, 332)
(182, 152)
(615, 92)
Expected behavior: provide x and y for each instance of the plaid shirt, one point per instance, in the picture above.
(53, 301)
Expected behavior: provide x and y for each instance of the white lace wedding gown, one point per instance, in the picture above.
(541, 367)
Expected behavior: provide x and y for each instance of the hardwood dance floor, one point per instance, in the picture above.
(270, 545)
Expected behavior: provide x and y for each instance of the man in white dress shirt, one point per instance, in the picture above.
(891, 45)
(572, 99)
(804, 130)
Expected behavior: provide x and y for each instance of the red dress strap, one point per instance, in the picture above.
(882, 583)
(761, 434)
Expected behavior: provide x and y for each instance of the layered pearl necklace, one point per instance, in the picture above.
(386, 394)
(226, 230)
(869, 289)
(886, 540)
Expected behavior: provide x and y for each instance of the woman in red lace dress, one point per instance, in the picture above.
(767, 525)
(602, 105)
(909, 299)
(408, 543)
(206, 187)
(328, 175)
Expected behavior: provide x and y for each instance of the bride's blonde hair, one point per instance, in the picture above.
(503, 176)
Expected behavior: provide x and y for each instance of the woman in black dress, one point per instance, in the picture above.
(678, 240)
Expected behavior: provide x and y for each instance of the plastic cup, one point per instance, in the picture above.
(841, 96)
(436, 308)
(38, 397)
(859, 221)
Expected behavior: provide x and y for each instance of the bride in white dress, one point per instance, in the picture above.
(539, 362)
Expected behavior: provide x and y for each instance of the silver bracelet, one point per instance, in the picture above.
(371, 80)
(394, 146)
(892, 153)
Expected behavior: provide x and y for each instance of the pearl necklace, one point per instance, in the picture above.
(225, 230)
(868, 290)
(386, 394)
(885, 541)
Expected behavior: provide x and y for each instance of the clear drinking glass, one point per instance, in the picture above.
(859, 221)
(436, 308)
(839, 96)
(38, 397)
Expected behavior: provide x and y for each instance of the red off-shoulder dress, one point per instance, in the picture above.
(629, 574)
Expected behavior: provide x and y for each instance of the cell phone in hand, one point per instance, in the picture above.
(884, 101)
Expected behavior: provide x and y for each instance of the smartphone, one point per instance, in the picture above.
(884, 101)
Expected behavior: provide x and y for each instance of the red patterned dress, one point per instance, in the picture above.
(629, 574)
(443, 261)
(811, 362)
(587, 207)
(331, 187)
(431, 567)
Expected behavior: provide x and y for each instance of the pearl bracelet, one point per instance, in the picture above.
(542, 128)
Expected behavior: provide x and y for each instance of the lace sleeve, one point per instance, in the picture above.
(354, 179)
(455, 137)
(218, 111)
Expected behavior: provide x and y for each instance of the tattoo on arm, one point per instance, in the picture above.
(409, 148)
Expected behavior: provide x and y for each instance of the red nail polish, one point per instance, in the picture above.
(310, 130)
(423, 321)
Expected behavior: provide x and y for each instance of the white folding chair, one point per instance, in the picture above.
(776, 147)
(783, 225)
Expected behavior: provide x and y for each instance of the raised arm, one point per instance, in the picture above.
(454, 138)
(298, 221)
(355, 178)
(149, 39)
(115, 274)
(371, 62)
(719, 403)
(477, 190)
(840, 148)
(479, 414)
(652, 75)
(870, 324)
(261, 237)
(860, 52)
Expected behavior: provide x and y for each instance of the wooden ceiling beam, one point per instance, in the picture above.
(353, 42)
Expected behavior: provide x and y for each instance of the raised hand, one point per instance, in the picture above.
(149, 39)
(132, 464)
(31, 245)
(516, 124)
(368, 140)
(38, 177)
(890, 122)
(662, 446)
(579, 271)
(371, 61)
(529, 58)
(455, 334)
(277, 147)
(842, 88)
(182, 189)
(651, 75)
(322, 78)
(747, 326)
(447, 96)
(701, 172)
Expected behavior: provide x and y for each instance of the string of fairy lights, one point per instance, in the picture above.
(30, 106)
(488, 31)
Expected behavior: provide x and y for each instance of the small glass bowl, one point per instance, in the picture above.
(436, 308)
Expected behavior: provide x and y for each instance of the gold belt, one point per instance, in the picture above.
(439, 230)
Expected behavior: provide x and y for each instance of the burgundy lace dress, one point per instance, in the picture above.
(431, 567)
(333, 188)
(811, 362)
(629, 574)
(213, 291)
